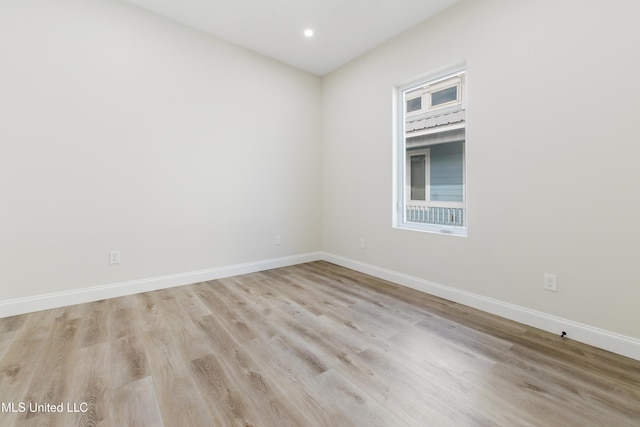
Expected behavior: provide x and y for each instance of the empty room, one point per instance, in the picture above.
(319, 213)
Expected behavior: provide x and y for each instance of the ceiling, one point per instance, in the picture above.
(343, 29)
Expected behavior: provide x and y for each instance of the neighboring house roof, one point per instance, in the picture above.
(441, 120)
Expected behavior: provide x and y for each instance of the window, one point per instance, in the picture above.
(418, 179)
(431, 190)
(444, 95)
(414, 104)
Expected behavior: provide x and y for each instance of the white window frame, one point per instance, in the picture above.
(402, 184)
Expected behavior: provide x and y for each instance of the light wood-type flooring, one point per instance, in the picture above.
(308, 345)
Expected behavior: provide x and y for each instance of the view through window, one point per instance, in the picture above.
(432, 149)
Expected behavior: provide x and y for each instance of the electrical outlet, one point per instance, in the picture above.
(278, 240)
(550, 282)
(362, 244)
(114, 257)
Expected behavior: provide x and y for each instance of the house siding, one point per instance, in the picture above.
(447, 168)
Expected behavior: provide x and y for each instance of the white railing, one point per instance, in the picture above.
(435, 215)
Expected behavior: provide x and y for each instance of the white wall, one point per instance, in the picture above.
(552, 157)
(122, 130)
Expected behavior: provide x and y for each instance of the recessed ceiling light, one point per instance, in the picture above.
(308, 32)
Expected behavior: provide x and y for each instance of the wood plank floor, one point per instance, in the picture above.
(308, 345)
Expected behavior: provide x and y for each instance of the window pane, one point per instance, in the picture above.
(446, 172)
(414, 104)
(445, 95)
(418, 177)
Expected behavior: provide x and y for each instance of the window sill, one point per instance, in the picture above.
(433, 228)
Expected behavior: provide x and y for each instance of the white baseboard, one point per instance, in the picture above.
(79, 296)
(606, 340)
